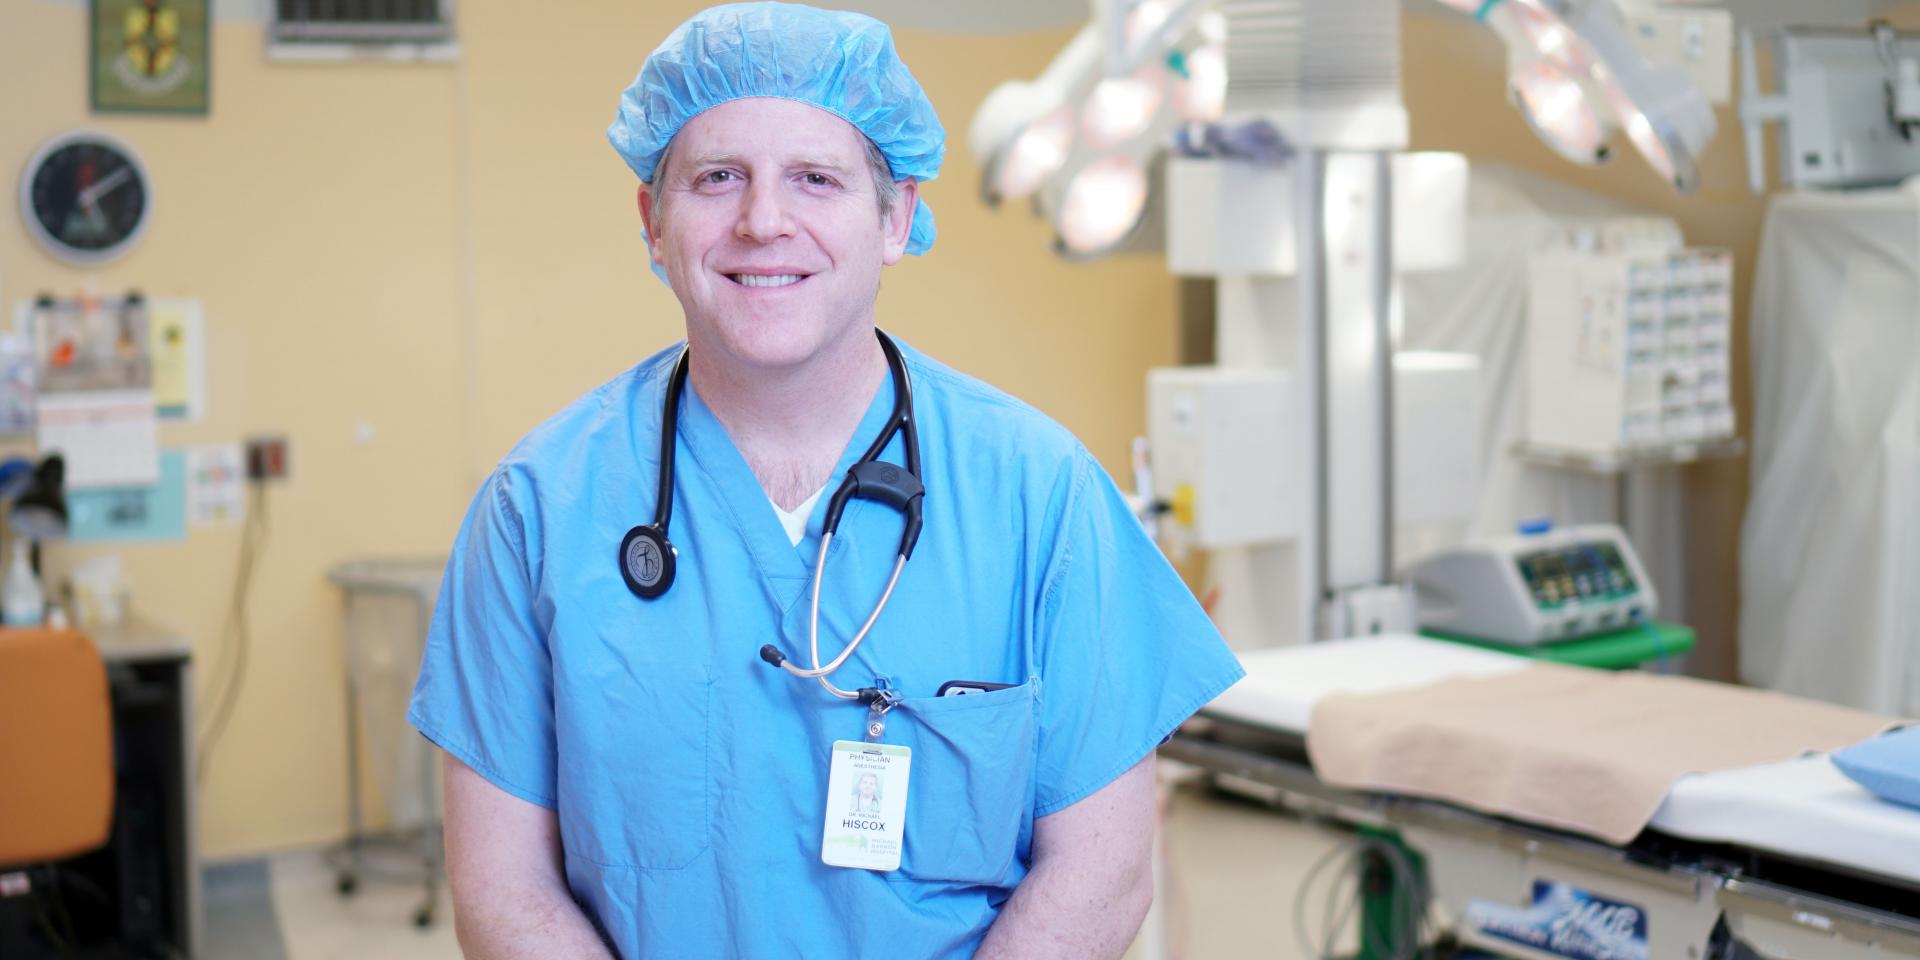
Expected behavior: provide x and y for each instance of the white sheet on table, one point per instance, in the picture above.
(1803, 807)
(1283, 684)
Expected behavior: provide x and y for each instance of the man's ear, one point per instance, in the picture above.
(645, 199)
(899, 222)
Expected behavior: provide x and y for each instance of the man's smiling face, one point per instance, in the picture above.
(768, 225)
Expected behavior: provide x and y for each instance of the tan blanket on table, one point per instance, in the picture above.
(1578, 749)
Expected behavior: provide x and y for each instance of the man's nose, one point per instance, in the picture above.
(763, 213)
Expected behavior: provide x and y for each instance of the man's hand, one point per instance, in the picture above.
(510, 896)
(1092, 877)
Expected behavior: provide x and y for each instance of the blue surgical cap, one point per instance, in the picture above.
(843, 63)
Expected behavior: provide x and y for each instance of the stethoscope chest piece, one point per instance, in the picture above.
(646, 561)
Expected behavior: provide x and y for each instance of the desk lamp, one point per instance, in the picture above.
(38, 512)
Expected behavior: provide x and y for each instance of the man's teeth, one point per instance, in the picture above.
(754, 280)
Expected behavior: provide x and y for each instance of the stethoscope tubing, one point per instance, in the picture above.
(819, 672)
(862, 481)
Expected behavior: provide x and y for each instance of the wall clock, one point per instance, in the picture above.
(86, 197)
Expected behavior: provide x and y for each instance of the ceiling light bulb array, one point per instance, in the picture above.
(1559, 111)
(1079, 138)
(1036, 154)
(1201, 96)
(1120, 108)
(1576, 76)
(1102, 204)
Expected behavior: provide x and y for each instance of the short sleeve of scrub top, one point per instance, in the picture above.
(1125, 651)
(486, 655)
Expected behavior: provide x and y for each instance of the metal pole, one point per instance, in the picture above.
(430, 822)
(1383, 349)
(354, 826)
(1311, 249)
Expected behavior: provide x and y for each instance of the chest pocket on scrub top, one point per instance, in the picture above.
(637, 790)
(971, 793)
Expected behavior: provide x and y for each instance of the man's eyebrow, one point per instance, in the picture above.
(825, 166)
(715, 160)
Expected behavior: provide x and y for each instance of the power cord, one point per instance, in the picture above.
(49, 903)
(1402, 934)
(237, 638)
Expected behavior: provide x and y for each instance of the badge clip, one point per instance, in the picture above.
(879, 699)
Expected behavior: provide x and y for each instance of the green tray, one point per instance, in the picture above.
(1620, 650)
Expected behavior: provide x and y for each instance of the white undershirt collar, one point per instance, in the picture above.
(796, 520)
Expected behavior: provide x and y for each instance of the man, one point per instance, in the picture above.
(625, 774)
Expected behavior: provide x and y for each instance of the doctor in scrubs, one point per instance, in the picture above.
(628, 772)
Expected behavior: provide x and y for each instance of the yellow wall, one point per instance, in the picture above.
(449, 253)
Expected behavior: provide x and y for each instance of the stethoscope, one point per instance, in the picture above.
(647, 557)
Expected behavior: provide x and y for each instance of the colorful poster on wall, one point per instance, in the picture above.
(153, 512)
(150, 56)
(176, 331)
(216, 484)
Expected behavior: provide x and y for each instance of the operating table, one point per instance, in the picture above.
(1785, 861)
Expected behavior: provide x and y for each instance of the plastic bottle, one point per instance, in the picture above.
(22, 603)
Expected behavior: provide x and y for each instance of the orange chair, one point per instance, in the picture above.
(56, 747)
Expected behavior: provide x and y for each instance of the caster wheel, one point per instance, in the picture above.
(423, 918)
(346, 884)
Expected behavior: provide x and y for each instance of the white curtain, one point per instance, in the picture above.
(1830, 550)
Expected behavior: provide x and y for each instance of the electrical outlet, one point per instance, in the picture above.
(266, 458)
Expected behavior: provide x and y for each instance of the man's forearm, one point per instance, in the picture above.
(1092, 877)
(1055, 913)
(526, 929)
(508, 878)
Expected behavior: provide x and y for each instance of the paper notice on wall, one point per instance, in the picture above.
(108, 438)
(216, 484)
(177, 338)
(93, 364)
(92, 346)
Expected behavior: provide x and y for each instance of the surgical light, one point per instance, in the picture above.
(1202, 94)
(1640, 131)
(1665, 117)
(1024, 130)
(1550, 37)
(1146, 17)
(1212, 27)
(1559, 111)
(1576, 74)
(1103, 201)
(1120, 108)
(1035, 155)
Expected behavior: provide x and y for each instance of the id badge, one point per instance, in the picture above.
(866, 820)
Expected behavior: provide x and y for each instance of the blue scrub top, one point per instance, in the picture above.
(690, 777)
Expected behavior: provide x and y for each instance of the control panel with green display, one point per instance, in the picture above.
(1540, 586)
